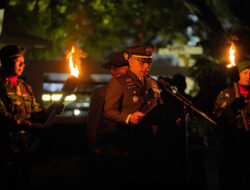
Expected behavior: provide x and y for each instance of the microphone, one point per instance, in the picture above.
(166, 83)
(173, 89)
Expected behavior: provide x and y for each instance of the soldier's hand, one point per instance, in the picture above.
(135, 117)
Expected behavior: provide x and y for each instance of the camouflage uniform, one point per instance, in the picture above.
(18, 110)
(18, 105)
(234, 140)
(223, 109)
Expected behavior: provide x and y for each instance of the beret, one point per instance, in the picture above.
(9, 51)
(243, 65)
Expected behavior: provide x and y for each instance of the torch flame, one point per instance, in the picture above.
(232, 56)
(74, 70)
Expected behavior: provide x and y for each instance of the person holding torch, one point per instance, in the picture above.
(20, 116)
(235, 138)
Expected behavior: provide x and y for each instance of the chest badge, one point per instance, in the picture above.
(135, 99)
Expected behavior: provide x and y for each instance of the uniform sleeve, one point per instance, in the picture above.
(9, 119)
(113, 102)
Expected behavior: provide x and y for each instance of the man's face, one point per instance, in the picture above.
(244, 77)
(18, 65)
(116, 72)
(141, 69)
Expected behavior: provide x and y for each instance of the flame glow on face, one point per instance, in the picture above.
(232, 56)
(73, 69)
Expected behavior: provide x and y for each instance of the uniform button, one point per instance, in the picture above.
(149, 102)
(134, 92)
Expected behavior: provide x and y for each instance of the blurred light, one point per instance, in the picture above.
(52, 87)
(56, 97)
(70, 98)
(46, 97)
(85, 104)
(77, 112)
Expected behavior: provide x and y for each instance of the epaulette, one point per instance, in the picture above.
(122, 77)
(125, 80)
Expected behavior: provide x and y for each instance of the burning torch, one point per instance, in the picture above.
(233, 71)
(72, 81)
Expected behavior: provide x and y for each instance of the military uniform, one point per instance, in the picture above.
(18, 109)
(126, 95)
(102, 133)
(106, 153)
(223, 108)
(234, 140)
(18, 103)
(20, 117)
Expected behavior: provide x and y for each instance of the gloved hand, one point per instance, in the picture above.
(59, 107)
(238, 103)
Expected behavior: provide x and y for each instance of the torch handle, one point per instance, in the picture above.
(53, 113)
(242, 112)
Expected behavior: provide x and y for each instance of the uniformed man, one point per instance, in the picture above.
(20, 114)
(97, 125)
(235, 141)
(105, 150)
(127, 100)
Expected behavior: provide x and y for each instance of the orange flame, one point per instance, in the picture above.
(73, 69)
(232, 56)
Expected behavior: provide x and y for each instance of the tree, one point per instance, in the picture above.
(101, 27)
(104, 27)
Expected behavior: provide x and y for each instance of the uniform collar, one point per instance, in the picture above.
(147, 82)
(135, 78)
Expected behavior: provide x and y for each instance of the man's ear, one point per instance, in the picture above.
(130, 61)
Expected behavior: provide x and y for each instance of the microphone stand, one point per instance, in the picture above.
(187, 103)
(167, 87)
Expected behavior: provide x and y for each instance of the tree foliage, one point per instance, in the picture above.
(101, 27)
